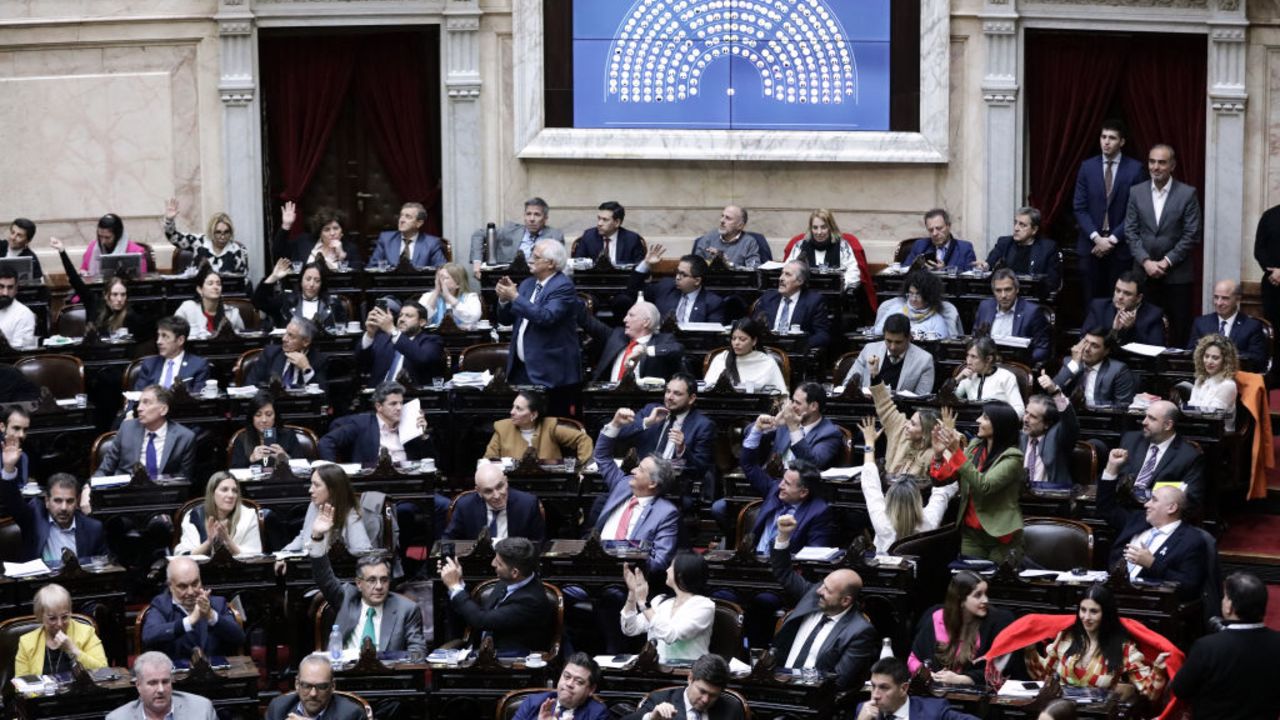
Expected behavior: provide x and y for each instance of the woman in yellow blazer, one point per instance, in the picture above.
(527, 427)
(60, 640)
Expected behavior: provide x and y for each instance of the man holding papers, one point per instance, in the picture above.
(359, 438)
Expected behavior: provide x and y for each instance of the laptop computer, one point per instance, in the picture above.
(24, 266)
(126, 263)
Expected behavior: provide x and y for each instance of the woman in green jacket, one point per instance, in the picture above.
(991, 474)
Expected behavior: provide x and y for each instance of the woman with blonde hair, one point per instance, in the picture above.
(60, 641)
(823, 245)
(222, 518)
(908, 440)
(452, 295)
(1216, 363)
(217, 245)
(982, 379)
(900, 511)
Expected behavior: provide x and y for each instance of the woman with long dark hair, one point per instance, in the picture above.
(951, 636)
(744, 363)
(331, 491)
(991, 474)
(264, 439)
(1098, 651)
(680, 623)
(311, 300)
(108, 312)
(206, 313)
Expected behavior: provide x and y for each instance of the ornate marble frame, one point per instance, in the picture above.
(533, 140)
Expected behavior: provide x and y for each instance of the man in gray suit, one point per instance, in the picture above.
(894, 360)
(368, 608)
(1102, 380)
(163, 447)
(153, 676)
(1162, 228)
(515, 236)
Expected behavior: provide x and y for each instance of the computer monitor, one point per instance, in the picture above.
(126, 263)
(24, 266)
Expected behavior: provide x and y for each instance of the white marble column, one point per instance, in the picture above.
(1224, 229)
(1002, 171)
(461, 126)
(241, 126)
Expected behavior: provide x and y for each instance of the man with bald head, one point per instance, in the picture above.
(1158, 454)
(505, 511)
(1244, 331)
(313, 695)
(731, 239)
(637, 344)
(1156, 545)
(824, 630)
(187, 616)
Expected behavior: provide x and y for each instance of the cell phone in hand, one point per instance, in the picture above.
(269, 436)
(448, 550)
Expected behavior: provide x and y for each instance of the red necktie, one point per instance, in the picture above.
(625, 522)
(626, 355)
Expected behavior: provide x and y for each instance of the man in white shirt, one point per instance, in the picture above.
(160, 446)
(1103, 380)
(17, 322)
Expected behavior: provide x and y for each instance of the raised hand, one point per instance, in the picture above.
(56, 244)
(657, 415)
(766, 423)
(948, 418)
(283, 267)
(869, 432)
(12, 453)
(1046, 383)
(1077, 351)
(451, 572)
(506, 289)
(786, 525)
(203, 607)
(1116, 460)
(323, 522)
(873, 365)
(655, 254)
(546, 711)
(623, 417)
(288, 214)
(170, 208)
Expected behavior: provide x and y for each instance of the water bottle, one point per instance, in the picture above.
(490, 239)
(335, 644)
(886, 648)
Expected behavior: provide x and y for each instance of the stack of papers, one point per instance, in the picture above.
(737, 668)
(31, 568)
(614, 662)
(841, 473)
(242, 392)
(1013, 341)
(447, 657)
(1020, 689)
(1065, 576)
(1143, 349)
(105, 481)
(477, 380)
(818, 554)
(713, 327)
(29, 684)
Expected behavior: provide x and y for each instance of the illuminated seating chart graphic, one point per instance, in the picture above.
(731, 64)
(798, 47)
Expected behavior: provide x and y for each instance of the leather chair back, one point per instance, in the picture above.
(244, 363)
(747, 520)
(448, 518)
(481, 593)
(903, 250)
(364, 704)
(1084, 463)
(62, 374)
(99, 448)
(934, 550)
(1022, 374)
(130, 375)
(1057, 543)
(726, 630)
(10, 540)
(484, 356)
(843, 365)
(180, 261)
(70, 321)
(149, 254)
(248, 312)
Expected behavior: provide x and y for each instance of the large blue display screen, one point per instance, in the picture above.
(731, 64)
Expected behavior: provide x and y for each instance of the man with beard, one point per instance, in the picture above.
(17, 322)
(294, 361)
(392, 345)
(313, 695)
(52, 522)
(730, 238)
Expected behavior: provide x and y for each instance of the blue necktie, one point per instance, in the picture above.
(153, 465)
(493, 524)
(771, 531)
(167, 381)
(441, 308)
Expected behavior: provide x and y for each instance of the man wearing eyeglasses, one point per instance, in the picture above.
(314, 696)
(368, 608)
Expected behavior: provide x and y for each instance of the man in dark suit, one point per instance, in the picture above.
(367, 609)
(636, 346)
(294, 360)
(14, 425)
(1245, 331)
(1231, 674)
(313, 695)
(21, 232)
(1049, 432)
(675, 429)
(572, 694)
(1005, 314)
(635, 507)
(516, 613)
(515, 237)
(15, 387)
(1024, 252)
(1126, 315)
(1162, 227)
(396, 344)
(173, 363)
(360, 438)
(187, 617)
(1157, 544)
(1100, 201)
(544, 337)
(794, 303)
(1158, 454)
(890, 680)
(163, 447)
(942, 250)
(1266, 252)
(799, 431)
(794, 494)
(623, 246)
(703, 698)
(682, 294)
(505, 511)
(1101, 380)
(408, 241)
(825, 629)
(52, 522)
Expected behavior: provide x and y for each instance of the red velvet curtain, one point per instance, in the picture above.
(305, 80)
(1074, 81)
(390, 92)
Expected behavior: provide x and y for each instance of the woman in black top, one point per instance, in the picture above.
(255, 444)
(952, 635)
(311, 300)
(109, 312)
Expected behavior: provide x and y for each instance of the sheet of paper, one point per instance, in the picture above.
(1143, 349)
(409, 420)
(1013, 341)
(109, 481)
(242, 474)
(714, 327)
(841, 472)
(817, 554)
(26, 569)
